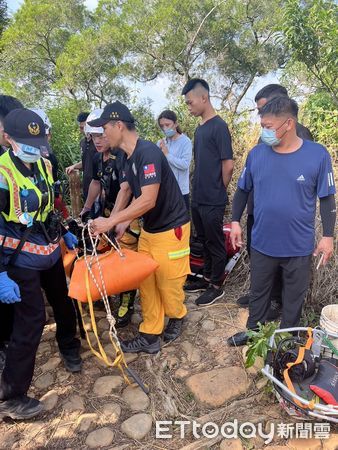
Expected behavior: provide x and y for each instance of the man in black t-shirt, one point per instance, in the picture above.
(212, 174)
(88, 151)
(105, 186)
(146, 175)
(263, 96)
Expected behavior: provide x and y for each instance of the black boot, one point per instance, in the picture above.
(243, 301)
(72, 361)
(126, 309)
(238, 339)
(147, 343)
(21, 407)
(173, 329)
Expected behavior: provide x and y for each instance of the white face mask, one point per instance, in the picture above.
(27, 153)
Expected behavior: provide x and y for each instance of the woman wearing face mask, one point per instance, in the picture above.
(30, 259)
(177, 147)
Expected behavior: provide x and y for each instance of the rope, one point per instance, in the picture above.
(119, 360)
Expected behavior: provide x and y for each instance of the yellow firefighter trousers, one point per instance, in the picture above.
(162, 292)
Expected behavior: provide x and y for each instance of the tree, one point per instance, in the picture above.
(311, 35)
(230, 42)
(3, 15)
(92, 66)
(32, 43)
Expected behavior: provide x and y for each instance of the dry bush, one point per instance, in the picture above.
(323, 286)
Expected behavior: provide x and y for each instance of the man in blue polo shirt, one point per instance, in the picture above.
(287, 174)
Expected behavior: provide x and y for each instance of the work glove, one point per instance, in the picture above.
(70, 240)
(9, 290)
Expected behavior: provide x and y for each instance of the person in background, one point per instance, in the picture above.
(267, 93)
(7, 104)
(50, 155)
(177, 148)
(81, 120)
(212, 174)
(88, 151)
(286, 174)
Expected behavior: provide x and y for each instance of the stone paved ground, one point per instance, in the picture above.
(198, 377)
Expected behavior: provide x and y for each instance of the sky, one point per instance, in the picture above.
(156, 90)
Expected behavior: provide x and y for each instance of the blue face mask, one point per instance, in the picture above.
(27, 153)
(269, 137)
(169, 132)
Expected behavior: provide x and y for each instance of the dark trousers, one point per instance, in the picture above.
(6, 323)
(186, 198)
(208, 223)
(295, 278)
(29, 321)
(276, 291)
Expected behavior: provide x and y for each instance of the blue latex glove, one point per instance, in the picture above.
(9, 290)
(70, 240)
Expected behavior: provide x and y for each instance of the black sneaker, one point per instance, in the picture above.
(173, 329)
(126, 310)
(243, 301)
(274, 312)
(200, 284)
(140, 343)
(22, 407)
(209, 296)
(238, 339)
(73, 363)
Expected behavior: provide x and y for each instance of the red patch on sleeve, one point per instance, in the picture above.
(149, 171)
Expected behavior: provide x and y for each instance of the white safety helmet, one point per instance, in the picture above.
(44, 117)
(95, 114)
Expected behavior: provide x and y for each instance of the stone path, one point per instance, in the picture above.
(198, 377)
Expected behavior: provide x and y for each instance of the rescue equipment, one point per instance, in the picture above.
(97, 279)
(68, 258)
(196, 255)
(122, 270)
(300, 366)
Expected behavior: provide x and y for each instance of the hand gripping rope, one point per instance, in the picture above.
(119, 360)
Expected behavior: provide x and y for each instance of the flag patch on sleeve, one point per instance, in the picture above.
(149, 171)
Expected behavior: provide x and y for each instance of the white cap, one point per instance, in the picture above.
(44, 117)
(96, 114)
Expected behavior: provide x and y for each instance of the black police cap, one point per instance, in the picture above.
(113, 111)
(26, 127)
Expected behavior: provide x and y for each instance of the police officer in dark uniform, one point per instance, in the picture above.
(105, 186)
(30, 259)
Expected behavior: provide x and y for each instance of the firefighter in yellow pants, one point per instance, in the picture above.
(105, 186)
(146, 175)
(162, 293)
